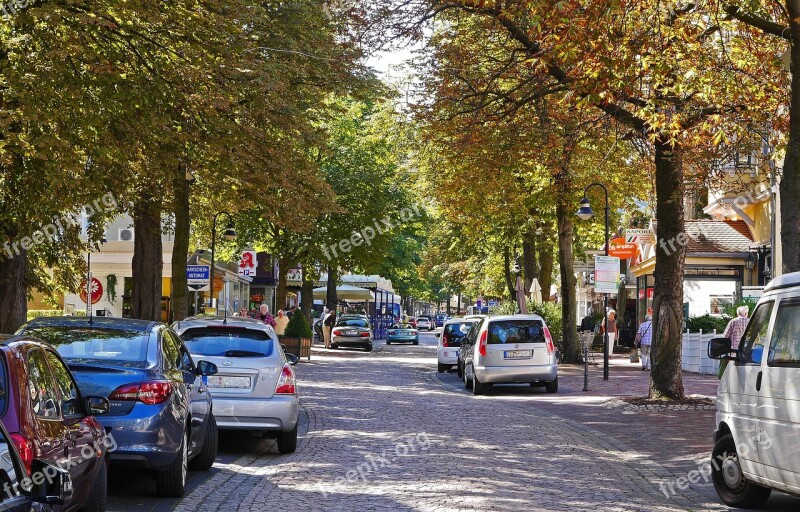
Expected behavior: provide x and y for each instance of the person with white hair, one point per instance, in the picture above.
(736, 327)
(264, 316)
(644, 338)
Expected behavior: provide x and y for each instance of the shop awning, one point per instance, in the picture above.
(345, 292)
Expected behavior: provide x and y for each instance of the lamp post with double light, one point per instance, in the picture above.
(229, 235)
(585, 213)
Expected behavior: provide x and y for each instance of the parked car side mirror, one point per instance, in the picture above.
(53, 485)
(293, 359)
(97, 405)
(720, 348)
(206, 368)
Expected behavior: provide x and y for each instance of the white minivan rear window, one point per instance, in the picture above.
(516, 331)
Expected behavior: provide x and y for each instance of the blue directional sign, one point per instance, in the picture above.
(198, 277)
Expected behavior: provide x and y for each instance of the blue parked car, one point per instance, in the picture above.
(440, 319)
(402, 333)
(160, 415)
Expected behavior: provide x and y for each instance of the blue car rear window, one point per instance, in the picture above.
(232, 342)
(87, 345)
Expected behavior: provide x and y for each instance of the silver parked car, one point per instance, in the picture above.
(352, 330)
(255, 388)
(508, 349)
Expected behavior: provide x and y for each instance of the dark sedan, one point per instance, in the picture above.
(160, 409)
(50, 420)
(352, 331)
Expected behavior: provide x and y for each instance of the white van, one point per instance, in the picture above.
(757, 440)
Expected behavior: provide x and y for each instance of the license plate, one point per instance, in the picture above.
(517, 354)
(218, 381)
(350, 333)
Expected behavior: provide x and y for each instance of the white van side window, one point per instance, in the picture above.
(784, 347)
(755, 337)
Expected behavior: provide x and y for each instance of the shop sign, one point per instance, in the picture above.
(622, 249)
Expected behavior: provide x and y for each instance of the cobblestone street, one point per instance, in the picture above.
(384, 431)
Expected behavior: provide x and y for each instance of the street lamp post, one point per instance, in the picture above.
(586, 213)
(229, 235)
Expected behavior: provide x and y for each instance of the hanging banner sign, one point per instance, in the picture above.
(640, 236)
(622, 249)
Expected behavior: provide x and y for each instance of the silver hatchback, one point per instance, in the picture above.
(509, 349)
(255, 388)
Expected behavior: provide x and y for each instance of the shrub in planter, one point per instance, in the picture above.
(298, 327)
(298, 335)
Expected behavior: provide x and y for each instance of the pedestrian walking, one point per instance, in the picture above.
(734, 331)
(327, 325)
(281, 321)
(613, 330)
(292, 311)
(264, 316)
(644, 339)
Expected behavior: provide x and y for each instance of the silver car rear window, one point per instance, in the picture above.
(458, 330)
(353, 322)
(516, 331)
(228, 342)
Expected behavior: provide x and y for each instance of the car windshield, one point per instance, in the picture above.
(228, 342)
(353, 322)
(516, 331)
(93, 345)
(458, 330)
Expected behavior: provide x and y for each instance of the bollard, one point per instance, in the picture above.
(585, 367)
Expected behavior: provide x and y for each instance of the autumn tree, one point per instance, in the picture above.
(668, 74)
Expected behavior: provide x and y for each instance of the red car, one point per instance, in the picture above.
(48, 419)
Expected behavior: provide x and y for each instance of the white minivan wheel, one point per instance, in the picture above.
(729, 480)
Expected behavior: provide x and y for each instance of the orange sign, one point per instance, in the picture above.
(621, 249)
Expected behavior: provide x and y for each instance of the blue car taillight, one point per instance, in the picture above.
(148, 392)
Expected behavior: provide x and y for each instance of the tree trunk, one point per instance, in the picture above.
(280, 293)
(331, 298)
(546, 267)
(790, 181)
(148, 260)
(529, 263)
(666, 378)
(512, 291)
(180, 250)
(307, 295)
(569, 301)
(14, 296)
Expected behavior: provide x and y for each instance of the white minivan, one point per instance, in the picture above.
(757, 439)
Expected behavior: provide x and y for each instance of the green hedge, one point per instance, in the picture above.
(707, 323)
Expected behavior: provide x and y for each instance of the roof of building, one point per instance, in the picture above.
(718, 236)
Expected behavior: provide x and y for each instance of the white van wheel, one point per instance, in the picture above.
(729, 480)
